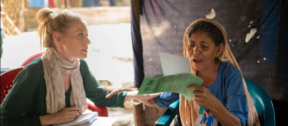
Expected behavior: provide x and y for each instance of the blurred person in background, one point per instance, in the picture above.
(67, 3)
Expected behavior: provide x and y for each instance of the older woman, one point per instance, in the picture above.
(53, 89)
(227, 98)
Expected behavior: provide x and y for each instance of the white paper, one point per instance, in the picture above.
(174, 64)
(85, 119)
(104, 121)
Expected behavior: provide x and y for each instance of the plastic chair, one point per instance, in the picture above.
(31, 58)
(102, 111)
(7, 79)
(261, 99)
(262, 102)
(169, 115)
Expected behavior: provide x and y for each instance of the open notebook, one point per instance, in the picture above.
(83, 120)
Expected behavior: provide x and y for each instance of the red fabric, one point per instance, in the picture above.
(51, 3)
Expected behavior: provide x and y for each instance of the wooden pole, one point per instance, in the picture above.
(139, 115)
(138, 111)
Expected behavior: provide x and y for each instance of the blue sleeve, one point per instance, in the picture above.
(165, 99)
(236, 98)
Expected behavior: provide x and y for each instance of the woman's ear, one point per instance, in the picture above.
(220, 49)
(186, 53)
(57, 38)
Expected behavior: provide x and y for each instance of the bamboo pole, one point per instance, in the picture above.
(15, 29)
(139, 112)
(139, 115)
(13, 20)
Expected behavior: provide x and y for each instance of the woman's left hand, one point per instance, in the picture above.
(147, 99)
(116, 91)
(203, 97)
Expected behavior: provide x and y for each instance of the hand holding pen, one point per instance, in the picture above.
(66, 115)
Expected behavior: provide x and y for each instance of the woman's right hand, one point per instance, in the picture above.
(146, 99)
(66, 115)
(63, 116)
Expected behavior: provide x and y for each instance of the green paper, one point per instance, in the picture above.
(172, 83)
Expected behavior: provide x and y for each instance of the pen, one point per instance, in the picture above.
(79, 112)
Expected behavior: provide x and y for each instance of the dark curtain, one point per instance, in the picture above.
(262, 59)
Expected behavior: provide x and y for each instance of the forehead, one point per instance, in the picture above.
(200, 35)
(78, 25)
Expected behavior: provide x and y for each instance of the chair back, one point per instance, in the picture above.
(169, 114)
(262, 102)
(31, 58)
(7, 79)
(102, 111)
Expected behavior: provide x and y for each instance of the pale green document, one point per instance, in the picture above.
(177, 69)
(172, 83)
(173, 64)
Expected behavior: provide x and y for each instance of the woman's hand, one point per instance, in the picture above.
(203, 97)
(116, 91)
(65, 115)
(206, 99)
(146, 99)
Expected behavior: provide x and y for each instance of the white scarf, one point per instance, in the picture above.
(54, 65)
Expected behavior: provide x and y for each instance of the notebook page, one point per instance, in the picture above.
(83, 119)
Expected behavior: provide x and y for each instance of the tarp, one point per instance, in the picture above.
(263, 58)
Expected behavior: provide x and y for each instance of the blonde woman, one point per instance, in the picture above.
(227, 98)
(53, 89)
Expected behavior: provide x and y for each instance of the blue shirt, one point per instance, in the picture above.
(203, 119)
(210, 120)
(228, 88)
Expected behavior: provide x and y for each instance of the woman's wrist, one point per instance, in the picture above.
(217, 108)
(47, 119)
(131, 95)
(224, 116)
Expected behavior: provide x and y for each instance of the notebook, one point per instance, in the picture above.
(83, 120)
